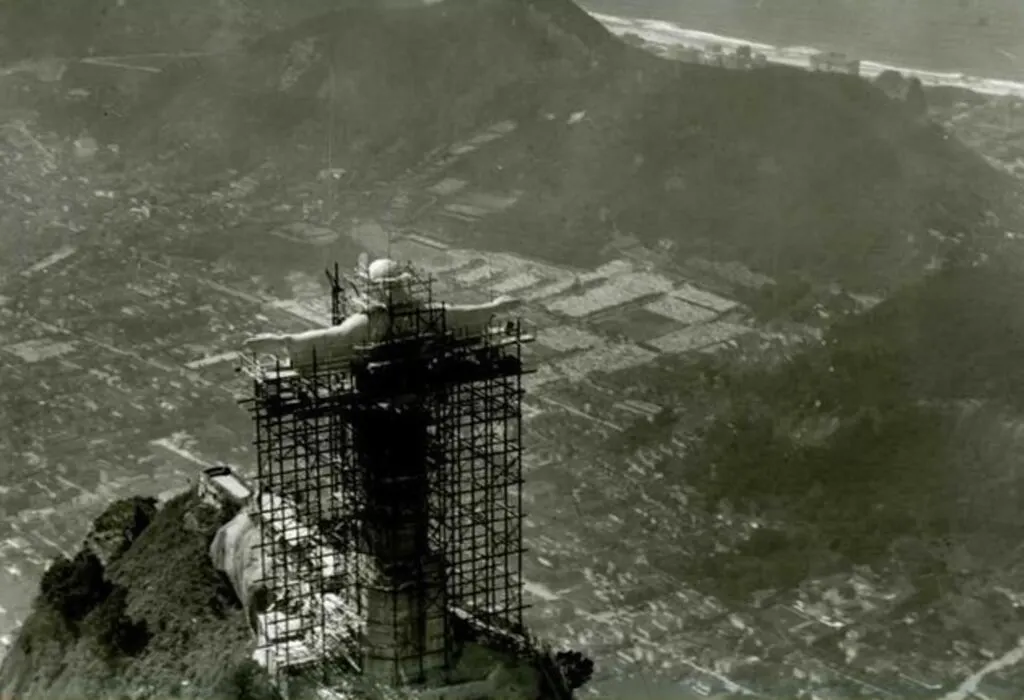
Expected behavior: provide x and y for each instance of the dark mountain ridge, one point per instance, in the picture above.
(777, 168)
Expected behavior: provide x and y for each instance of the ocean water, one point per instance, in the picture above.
(981, 38)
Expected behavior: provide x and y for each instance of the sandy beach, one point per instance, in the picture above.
(668, 34)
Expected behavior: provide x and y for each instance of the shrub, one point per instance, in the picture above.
(129, 516)
(117, 635)
(248, 681)
(75, 587)
(576, 668)
(916, 100)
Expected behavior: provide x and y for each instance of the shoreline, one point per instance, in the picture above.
(671, 34)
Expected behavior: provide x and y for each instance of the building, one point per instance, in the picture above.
(220, 485)
(835, 62)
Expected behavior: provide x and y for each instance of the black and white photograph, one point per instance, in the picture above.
(511, 349)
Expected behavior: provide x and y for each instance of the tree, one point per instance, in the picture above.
(249, 681)
(890, 81)
(915, 97)
(75, 587)
(576, 668)
(118, 635)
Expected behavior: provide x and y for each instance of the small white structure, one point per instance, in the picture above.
(835, 62)
(219, 485)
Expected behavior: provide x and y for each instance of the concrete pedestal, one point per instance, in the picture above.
(405, 624)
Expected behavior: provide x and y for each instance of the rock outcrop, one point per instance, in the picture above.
(118, 527)
(156, 619)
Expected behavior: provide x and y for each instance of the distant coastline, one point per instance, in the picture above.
(983, 38)
(666, 33)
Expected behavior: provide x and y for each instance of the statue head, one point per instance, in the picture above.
(388, 280)
(383, 270)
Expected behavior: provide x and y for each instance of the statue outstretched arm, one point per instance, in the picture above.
(265, 343)
(322, 345)
(474, 317)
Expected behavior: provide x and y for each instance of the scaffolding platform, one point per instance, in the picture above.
(390, 486)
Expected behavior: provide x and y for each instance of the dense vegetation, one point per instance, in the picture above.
(155, 621)
(75, 587)
(899, 429)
